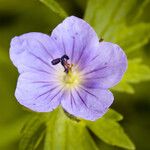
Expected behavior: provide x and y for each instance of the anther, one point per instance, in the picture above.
(56, 61)
(63, 61)
(65, 56)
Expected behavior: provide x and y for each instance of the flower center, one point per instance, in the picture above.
(71, 77)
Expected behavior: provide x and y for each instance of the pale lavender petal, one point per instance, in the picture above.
(77, 39)
(33, 51)
(107, 69)
(40, 85)
(38, 92)
(86, 103)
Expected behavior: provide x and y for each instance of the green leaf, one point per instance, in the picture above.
(134, 37)
(140, 11)
(55, 7)
(10, 131)
(103, 14)
(111, 132)
(111, 23)
(3, 56)
(64, 133)
(136, 73)
(33, 132)
(123, 86)
(113, 115)
(58, 131)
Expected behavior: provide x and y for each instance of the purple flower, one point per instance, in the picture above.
(70, 68)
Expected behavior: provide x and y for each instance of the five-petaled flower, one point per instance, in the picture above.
(70, 68)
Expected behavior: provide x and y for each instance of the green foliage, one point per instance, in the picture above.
(61, 133)
(55, 7)
(113, 115)
(110, 19)
(103, 15)
(111, 132)
(32, 132)
(64, 133)
(134, 37)
(136, 73)
(12, 129)
(108, 129)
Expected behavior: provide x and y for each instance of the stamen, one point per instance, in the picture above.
(56, 61)
(64, 57)
(64, 63)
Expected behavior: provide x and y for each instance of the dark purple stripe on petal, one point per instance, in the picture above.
(45, 49)
(57, 94)
(93, 58)
(72, 100)
(45, 85)
(38, 70)
(73, 46)
(81, 54)
(42, 81)
(42, 60)
(52, 89)
(64, 46)
(82, 64)
(88, 92)
(94, 70)
(81, 98)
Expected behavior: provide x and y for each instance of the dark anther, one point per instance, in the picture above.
(65, 56)
(63, 61)
(56, 61)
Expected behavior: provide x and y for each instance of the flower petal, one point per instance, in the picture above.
(37, 92)
(89, 104)
(77, 39)
(33, 51)
(107, 68)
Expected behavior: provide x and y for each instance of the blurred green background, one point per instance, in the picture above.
(21, 16)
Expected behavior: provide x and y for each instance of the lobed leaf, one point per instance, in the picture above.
(61, 132)
(134, 37)
(103, 14)
(32, 133)
(112, 25)
(111, 132)
(136, 73)
(64, 133)
(113, 115)
(55, 7)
